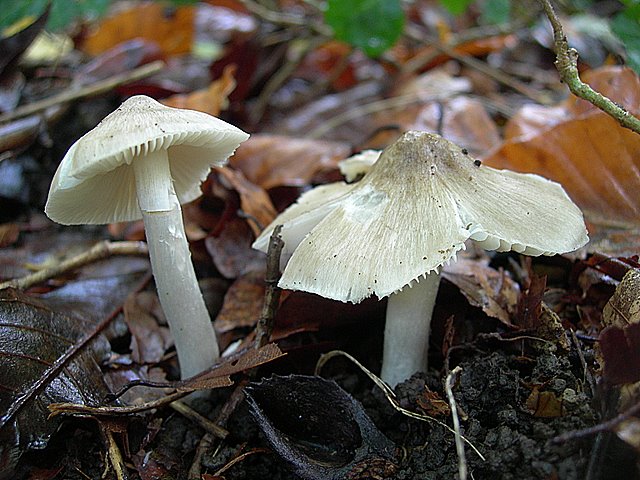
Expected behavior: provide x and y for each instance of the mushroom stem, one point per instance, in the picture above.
(406, 332)
(173, 271)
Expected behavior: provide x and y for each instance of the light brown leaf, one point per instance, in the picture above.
(276, 160)
(590, 154)
(242, 303)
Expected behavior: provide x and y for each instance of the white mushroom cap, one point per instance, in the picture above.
(411, 214)
(94, 183)
(358, 165)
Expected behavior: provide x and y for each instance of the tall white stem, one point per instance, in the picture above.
(175, 278)
(406, 331)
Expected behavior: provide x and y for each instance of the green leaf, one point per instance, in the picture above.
(371, 25)
(456, 7)
(63, 12)
(626, 25)
(496, 12)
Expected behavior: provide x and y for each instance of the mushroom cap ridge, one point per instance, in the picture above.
(412, 213)
(94, 183)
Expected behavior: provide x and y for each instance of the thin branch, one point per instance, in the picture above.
(462, 458)
(272, 293)
(204, 423)
(100, 251)
(72, 94)
(567, 65)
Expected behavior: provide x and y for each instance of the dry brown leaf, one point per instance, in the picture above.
(629, 432)
(231, 250)
(623, 308)
(254, 201)
(149, 340)
(211, 100)
(171, 28)
(242, 303)
(465, 122)
(492, 290)
(595, 159)
(544, 404)
(276, 160)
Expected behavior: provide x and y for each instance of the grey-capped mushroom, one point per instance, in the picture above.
(142, 161)
(390, 234)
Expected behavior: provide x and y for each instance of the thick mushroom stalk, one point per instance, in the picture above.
(407, 328)
(173, 271)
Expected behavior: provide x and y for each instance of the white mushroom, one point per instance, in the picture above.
(389, 234)
(142, 161)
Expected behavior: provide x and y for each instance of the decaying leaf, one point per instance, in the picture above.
(544, 404)
(242, 303)
(231, 250)
(37, 361)
(623, 308)
(276, 160)
(620, 340)
(254, 201)
(149, 340)
(621, 354)
(492, 290)
(220, 374)
(431, 403)
(465, 122)
(595, 159)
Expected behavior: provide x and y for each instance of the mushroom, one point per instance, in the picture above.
(390, 234)
(142, 161)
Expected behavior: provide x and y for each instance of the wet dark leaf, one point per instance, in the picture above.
(37, 361)
(319, 429)
(231, 250)
(621, 353)
(620, 340)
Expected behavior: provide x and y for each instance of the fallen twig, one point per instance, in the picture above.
(264, 327)
(97, 88)
(462, 459)
(567, 65)
(100, 251)
(206, 424)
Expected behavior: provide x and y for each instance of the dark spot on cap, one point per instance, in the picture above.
(465, 151)
(477, 163)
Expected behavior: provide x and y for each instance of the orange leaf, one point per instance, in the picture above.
(590, 154)
(209, 100)
(171, 28)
